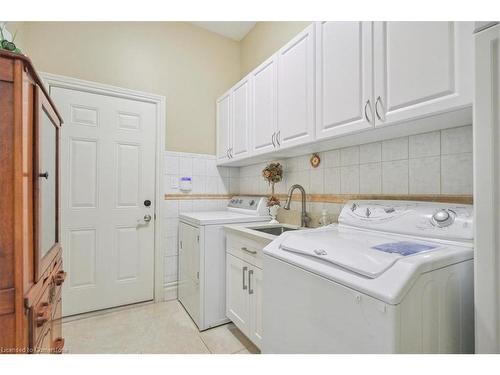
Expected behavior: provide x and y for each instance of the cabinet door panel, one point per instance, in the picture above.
(241, 119)
(237, 301)
(264, 119)
(223, 126)
(296, 90)
(421, 68)
(255, 293)
(189, 270)
(344, 77)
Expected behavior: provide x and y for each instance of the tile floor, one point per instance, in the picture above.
(162, 328)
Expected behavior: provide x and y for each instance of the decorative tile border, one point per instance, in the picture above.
(340, 198)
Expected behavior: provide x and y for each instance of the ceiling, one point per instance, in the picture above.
(235, 30)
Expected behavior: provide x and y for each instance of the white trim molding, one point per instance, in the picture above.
(54, 80)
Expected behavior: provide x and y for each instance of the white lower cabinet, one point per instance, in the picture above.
(244, 297)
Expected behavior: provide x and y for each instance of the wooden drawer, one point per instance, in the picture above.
(245, 248)
(41, 314)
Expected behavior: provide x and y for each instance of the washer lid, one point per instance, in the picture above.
(360, 252)
(219, 217)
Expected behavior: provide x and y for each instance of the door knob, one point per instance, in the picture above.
(147, 218)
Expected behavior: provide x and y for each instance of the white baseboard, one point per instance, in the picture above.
(170, 292)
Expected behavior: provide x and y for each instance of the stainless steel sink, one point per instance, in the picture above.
(275, 231)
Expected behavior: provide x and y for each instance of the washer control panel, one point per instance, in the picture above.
(249, 205)
(439, 220)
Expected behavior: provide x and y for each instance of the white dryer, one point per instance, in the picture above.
(391, 277)
(202, 257)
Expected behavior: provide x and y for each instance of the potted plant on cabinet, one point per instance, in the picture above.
(273, 173)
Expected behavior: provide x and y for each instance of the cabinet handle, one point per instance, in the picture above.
(231, 152)
(379, 99)
(248, 251)
(44, 175)
(278, 138)
(244, 270)
(227, 153)
(366, 105)
(272, 139)
(250, 290)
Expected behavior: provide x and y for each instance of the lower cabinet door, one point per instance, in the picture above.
(57, 339)
(255, 305)
(237, 297)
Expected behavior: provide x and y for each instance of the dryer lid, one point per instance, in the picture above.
(363, 253)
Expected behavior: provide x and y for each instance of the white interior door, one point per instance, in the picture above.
(107, 173)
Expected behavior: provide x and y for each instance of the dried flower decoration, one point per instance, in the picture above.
(273, 173)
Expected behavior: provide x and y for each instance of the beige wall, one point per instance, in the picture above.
(265, 39)
(190, 66)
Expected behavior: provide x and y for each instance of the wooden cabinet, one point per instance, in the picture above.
(296, 90)
(344, 79)
(264, 101)
(30, 253)
(223, 126)
(421, 68)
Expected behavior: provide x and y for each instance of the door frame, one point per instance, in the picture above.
(55, 80)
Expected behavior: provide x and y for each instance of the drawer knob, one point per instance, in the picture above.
(43, 314)
(60, 277)
(58, 345)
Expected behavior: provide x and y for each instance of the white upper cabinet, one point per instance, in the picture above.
(223, 126)
(296, 90)
(241, 116)
(344, 78)
(421, 68)
(264, 114)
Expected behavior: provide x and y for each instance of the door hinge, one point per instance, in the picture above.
(198, 275)
(198, 238)
(180, 244)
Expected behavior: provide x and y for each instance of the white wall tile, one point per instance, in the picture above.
(395, 177)
(170, 180)
(395, 149)
(185, 166)
(199, 167)
(456, 140)
(171, 209)
(171, 246)
(316, 179)
(349, 179)
(370, 178)
(199, 185)
(425, 175)
(349, 156)
(423, 145)
(211, 168)
(211, 184)
(456, 174)
(170, 269)
(330, 159)
(171, 227)
(171, 164)
(332, 180)
(370, 153)
(185, 206)
(299, 177)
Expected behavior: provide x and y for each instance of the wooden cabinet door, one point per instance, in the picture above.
(296, 90)
(223, 126)
(237, 300)
(189, 270)
(344, 78)
(264, 102)
(421, 68)
(255, 305)
(240, 131)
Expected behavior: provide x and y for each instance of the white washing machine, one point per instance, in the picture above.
(202, 257)
(391, 277)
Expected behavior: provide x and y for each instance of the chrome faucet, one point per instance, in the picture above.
(304, 219)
